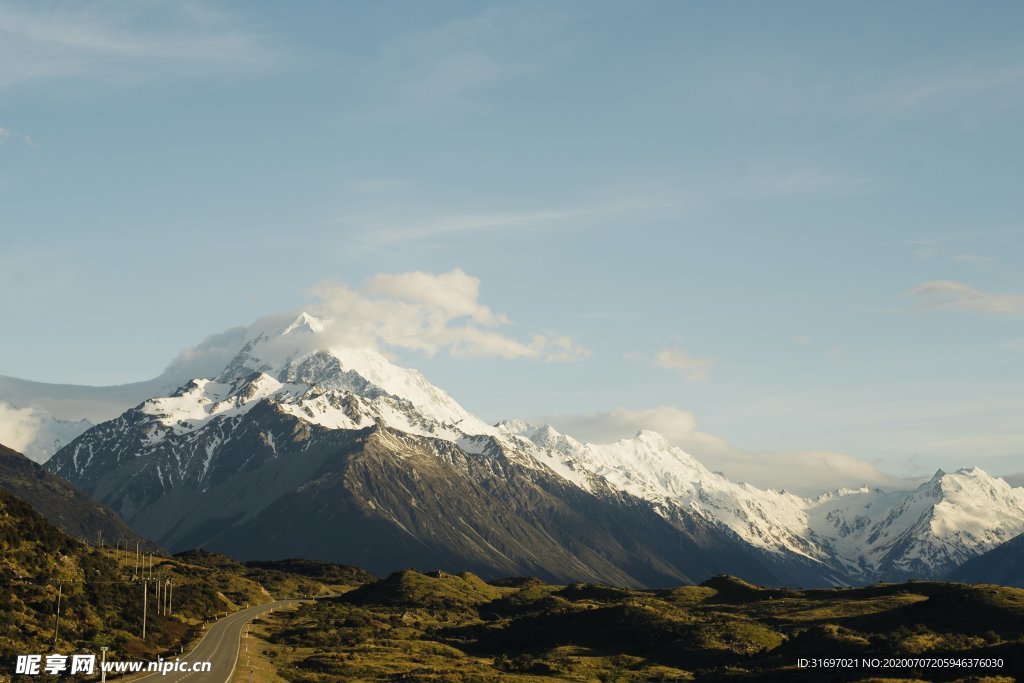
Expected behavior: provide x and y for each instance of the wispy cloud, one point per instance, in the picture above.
(385, 233)
(792, 178)
(976, 85)
(688, 366)
(927, 249)
(439, 70)
(949, 295)
(375, 230)
(975, 259)
(120, 41)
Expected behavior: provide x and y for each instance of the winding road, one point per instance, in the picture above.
(219, 646)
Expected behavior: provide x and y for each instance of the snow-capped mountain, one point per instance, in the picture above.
(300, 432)
(856, 535)
(295, 449)
(945, 522)
(649, 467)
(291, 353)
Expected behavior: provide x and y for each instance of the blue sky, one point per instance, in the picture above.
(798, 226)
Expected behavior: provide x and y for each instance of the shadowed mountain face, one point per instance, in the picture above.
(1002, 565)
(399, 500)
(73, 512)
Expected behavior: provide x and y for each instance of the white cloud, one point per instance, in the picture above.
(417, 311)
(949, 295)
(19, 426)
(802, 471)
(398, 232)
(560, 348)
(453, 295)
(35, 432)
(689, 366)
(116, 40)
(429, 313)
(802, 339)
(4, 132)
(974, 259)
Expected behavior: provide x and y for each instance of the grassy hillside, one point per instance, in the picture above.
(444, 627)
(101, 598)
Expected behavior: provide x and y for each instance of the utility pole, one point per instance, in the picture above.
(56, 623)
(136, 574)
(145, 595)
(157, 596)
(103, 661)
(170, 600)
(167, 598)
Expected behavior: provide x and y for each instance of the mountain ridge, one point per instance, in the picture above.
(289, 384)
(64, 506)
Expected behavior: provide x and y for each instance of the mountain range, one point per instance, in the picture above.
(299, 447)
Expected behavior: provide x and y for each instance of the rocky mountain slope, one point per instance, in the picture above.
(1002, 565)
(71, 511)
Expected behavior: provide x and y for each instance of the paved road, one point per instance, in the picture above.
(220, 646)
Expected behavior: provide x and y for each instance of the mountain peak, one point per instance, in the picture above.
(974, 472)
(652, 438)
(515, 426)
(306, 323)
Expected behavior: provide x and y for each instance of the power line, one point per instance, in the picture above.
(56, 623)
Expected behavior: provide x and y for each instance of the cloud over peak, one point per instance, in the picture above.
(429, 313)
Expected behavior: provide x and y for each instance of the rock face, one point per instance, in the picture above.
(69, 510)
(297, 448)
